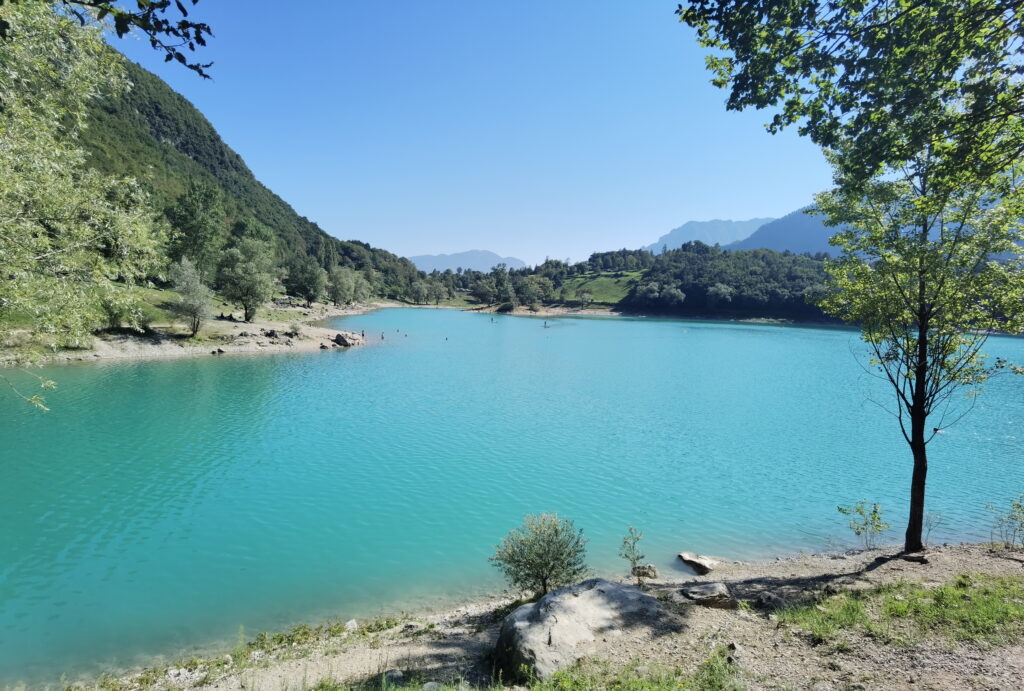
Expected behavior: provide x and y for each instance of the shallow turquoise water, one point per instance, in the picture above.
(160, 506)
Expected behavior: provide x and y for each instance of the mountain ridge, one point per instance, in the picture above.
(716, 231)
(477, 260)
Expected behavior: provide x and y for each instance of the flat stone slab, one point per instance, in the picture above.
(710, 595)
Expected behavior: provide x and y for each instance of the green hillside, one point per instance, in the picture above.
(606, 289)
(155, 135)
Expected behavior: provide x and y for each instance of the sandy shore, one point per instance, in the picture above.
(293, 329)
(451, 647)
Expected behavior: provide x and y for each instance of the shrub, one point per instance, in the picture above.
(546, 552)
(866, 525)
(631, 553)
(505, 307)
(1008, 530)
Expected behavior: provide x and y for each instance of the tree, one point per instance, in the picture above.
(484, 290)
(546, 552)
(419, 291)
(198, 220)
(194, 296)
(170, 35)
(919, 105)
(876, 74)
(339, 285)
(248, 275)
(70, 238)
(306, 279)
(345, 286)
(928, 274)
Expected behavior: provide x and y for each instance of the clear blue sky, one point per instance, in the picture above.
(532, 129)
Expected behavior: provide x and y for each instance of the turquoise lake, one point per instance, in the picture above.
(161, 506)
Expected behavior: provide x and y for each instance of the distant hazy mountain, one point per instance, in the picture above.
(708, 232)
(797, 232)
(480, 260)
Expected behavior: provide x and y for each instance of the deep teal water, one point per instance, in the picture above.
(161, 506)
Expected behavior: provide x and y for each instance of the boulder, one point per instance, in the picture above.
(645, 571)
(394, 677)
(342, 340)
(769, 601)
(710, 595)
(547, 635)
(351, 625)
(699, 563)
(324, 346)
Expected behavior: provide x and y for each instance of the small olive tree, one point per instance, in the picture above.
(546, 552)
(193, 296)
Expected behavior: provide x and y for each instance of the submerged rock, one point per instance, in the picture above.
(546, 636)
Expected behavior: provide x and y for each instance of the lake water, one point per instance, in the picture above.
(161, 506)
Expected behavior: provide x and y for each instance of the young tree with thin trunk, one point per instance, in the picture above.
(193, 301)
(919, 105)
(928, 273)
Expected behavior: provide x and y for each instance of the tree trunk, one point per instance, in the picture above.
(250, 312)
(915, 525)
(918, 418)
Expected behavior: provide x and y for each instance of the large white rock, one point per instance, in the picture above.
(698, 562)
(547, 635)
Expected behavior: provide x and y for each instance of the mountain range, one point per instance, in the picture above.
(478, 260)
(798, 232)
(716, 232)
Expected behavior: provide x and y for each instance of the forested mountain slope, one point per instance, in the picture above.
(155, 135)
(797, 232)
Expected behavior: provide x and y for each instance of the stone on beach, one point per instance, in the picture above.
(547, 635)
(698, 562)
(710, 595)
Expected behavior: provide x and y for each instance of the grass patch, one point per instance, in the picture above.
(980, 609)
(606, 289)
(716, 673)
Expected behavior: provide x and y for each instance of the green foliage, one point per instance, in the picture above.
(247, 275)
(346, 286)
(546, 552)
(980, 609)
(197, 219)
(823, 620)
(194, 296)
(866, 524)
(66, 232)
(699, 280)
(1008, 530)
(306, 279)
(153, 133)
(889, 79)
(170, 35)
(631, 553)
